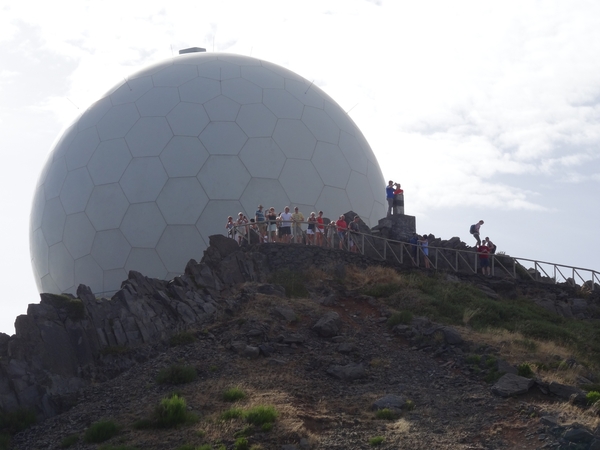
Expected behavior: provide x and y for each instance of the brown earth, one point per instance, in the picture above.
(453, 407)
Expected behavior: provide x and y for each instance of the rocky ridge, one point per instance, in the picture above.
(332, 359)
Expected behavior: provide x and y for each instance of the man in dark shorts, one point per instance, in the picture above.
(286, 225)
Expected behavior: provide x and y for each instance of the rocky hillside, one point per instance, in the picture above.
(325, 356)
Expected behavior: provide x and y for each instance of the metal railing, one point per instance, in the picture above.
(441, 258)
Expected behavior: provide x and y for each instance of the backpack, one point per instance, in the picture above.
(473, 229)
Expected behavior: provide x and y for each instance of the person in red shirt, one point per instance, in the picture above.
(342, 227)
(483, 252)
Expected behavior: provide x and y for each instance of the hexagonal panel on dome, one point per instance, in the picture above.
(147, 262)
(143, 179)
(89, 273)
(306, 92)
(199, 90)
(117, 121)
(109, 161)
(353, 152)
(213, 218)
(263, 77)
(92, 115)
(188, 119)
(256, 120)
(301, 181)
(37, 210)
(241, 91)
(61, 266)
(321, 125)
(81, 149)
(112, 280)
(47, 284)
(180, 209)
(327, 156)
(158, 102)
(267, 192)
(360, 198)
(79, 235)
(183, 156)
(143, 225)
(224, 177)
(148, 136)
(55, 179)
(179, 244)
(333, 202)
(76, 191)
(223, 138)
(175, 75)
(106, 207)
(131, 90)
(294, 139)
(219, 70)
(39, 256)
(262, 157)
(283, 104)
(110, 249)
(222, 109)
(53, 221)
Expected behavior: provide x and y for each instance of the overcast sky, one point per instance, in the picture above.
(482, 110)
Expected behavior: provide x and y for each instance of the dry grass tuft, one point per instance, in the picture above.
(517, 349)
(357, 277)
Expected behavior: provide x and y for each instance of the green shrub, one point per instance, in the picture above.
(4, 441)
(248, 430)
(100, 432)
(260, 415)
(409, 405)
(233, 394)
(241, 444)
(13, 422)
(115, 350)
(524, 370)
(118, 447)
(375, 441)
(402, 317)
(172, 411)
(473, 359)
(386, 414)
(183, 338)
(592, 397)
(266, 427)
(231, 413)
(72, 306)
(205, 447)
(176, 374)
(69, 441)
(381, 289)
(142, 424)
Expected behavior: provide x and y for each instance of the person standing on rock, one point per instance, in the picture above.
(389, 196)
(424, 243)
(474, 230)
(354, 230)
(484, 259)
(398, 199)
(298, 220)
(286, 225)
(341, 227)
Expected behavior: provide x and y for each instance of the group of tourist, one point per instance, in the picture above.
(287, 227)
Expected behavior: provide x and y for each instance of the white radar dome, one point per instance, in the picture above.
(146, 174)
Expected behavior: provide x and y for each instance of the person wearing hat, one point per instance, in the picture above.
(261, 223)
